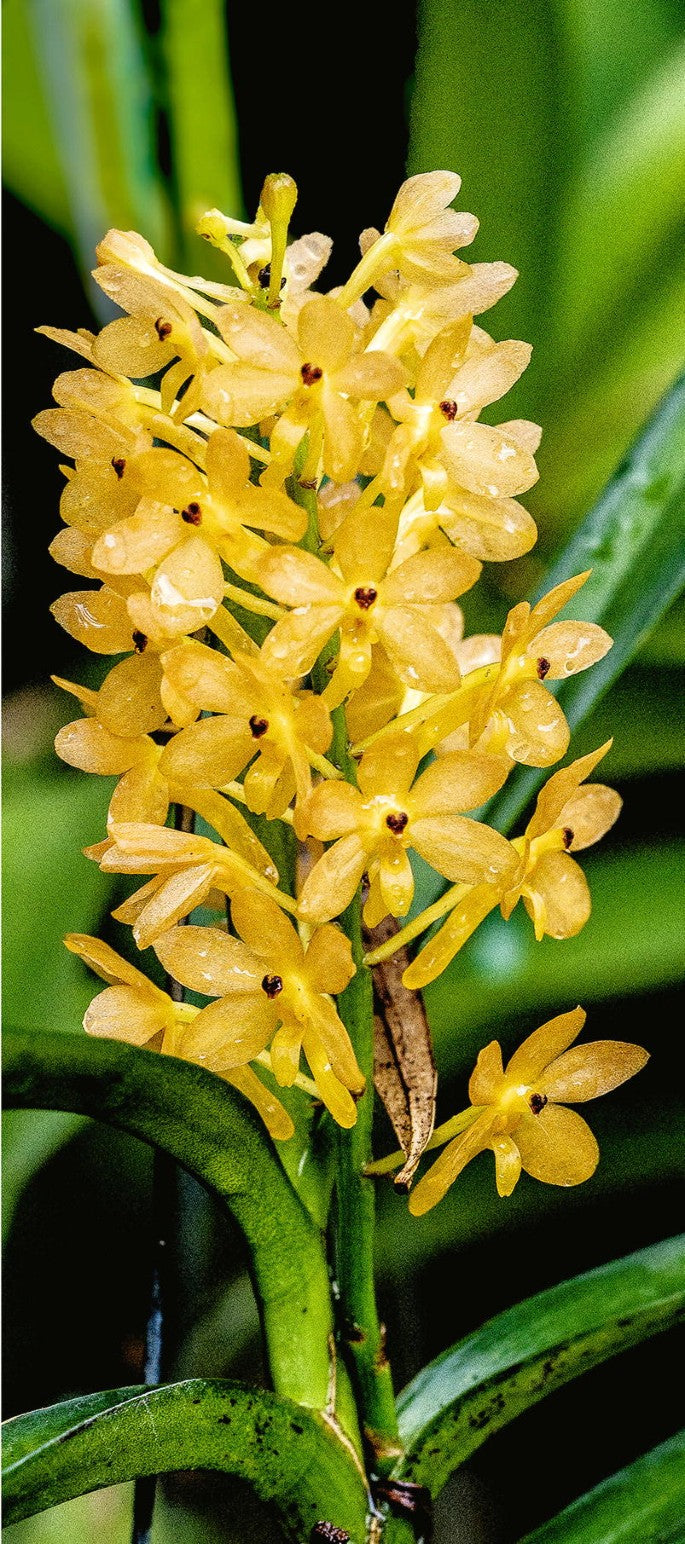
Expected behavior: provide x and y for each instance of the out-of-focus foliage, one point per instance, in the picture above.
(567, 124)
(48, 818)
(87, 94)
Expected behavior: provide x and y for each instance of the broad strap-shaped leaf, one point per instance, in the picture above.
(208, 1129)
(289, 1456)
(634, 542)
(479, 1385)
(642, 1504)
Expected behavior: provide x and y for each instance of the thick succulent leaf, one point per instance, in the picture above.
(479, 1385)
(634, 543)
(642, 1504)
(206, 1126)
(290, 1457)
(204, 143)
(23, 1435)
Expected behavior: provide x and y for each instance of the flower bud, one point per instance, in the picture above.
(279, 197)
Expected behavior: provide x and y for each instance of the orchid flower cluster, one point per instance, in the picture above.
(277, 499)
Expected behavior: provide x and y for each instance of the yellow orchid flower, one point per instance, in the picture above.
(408, 609)
(374, 826)
(303, 260)
(554, 890)
(256, 719)
(110, 742)
(438, 440)
(495, 530)
(408, 315)
(501, 704)
(222, 507)
(187, 869)
(517, 716)
(420, 236)
(160, 328)
(520, 1112)
(270, 990)
(133, 1009)
(321, 375)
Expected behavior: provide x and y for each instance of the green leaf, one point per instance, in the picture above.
(624, 206)
(202, 122)
(622, 385)
(101, 114)
(634, 936)
(643, 1504)
(31, 164)
(290, 1457)
(488, 102)
(634, 543)
(23, 1435)
(213, 1133)
(611, 49)
(666, 645)
(50, 888)
(482, 1383)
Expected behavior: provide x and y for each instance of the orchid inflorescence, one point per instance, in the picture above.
(277, 499)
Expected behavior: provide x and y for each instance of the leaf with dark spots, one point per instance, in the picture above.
(404, 1068)
(512, 1362)
(286, 1454)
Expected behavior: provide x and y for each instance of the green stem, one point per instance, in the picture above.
(355, 1211)
(355, 1222)
(355, 1197)
(306, 498)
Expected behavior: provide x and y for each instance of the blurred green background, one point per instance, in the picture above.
(566, 120)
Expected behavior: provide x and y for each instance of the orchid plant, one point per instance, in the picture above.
(278, 497)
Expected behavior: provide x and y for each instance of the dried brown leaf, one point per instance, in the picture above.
(404, 1069)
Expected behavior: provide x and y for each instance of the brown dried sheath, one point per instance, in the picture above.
(404, 1069)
